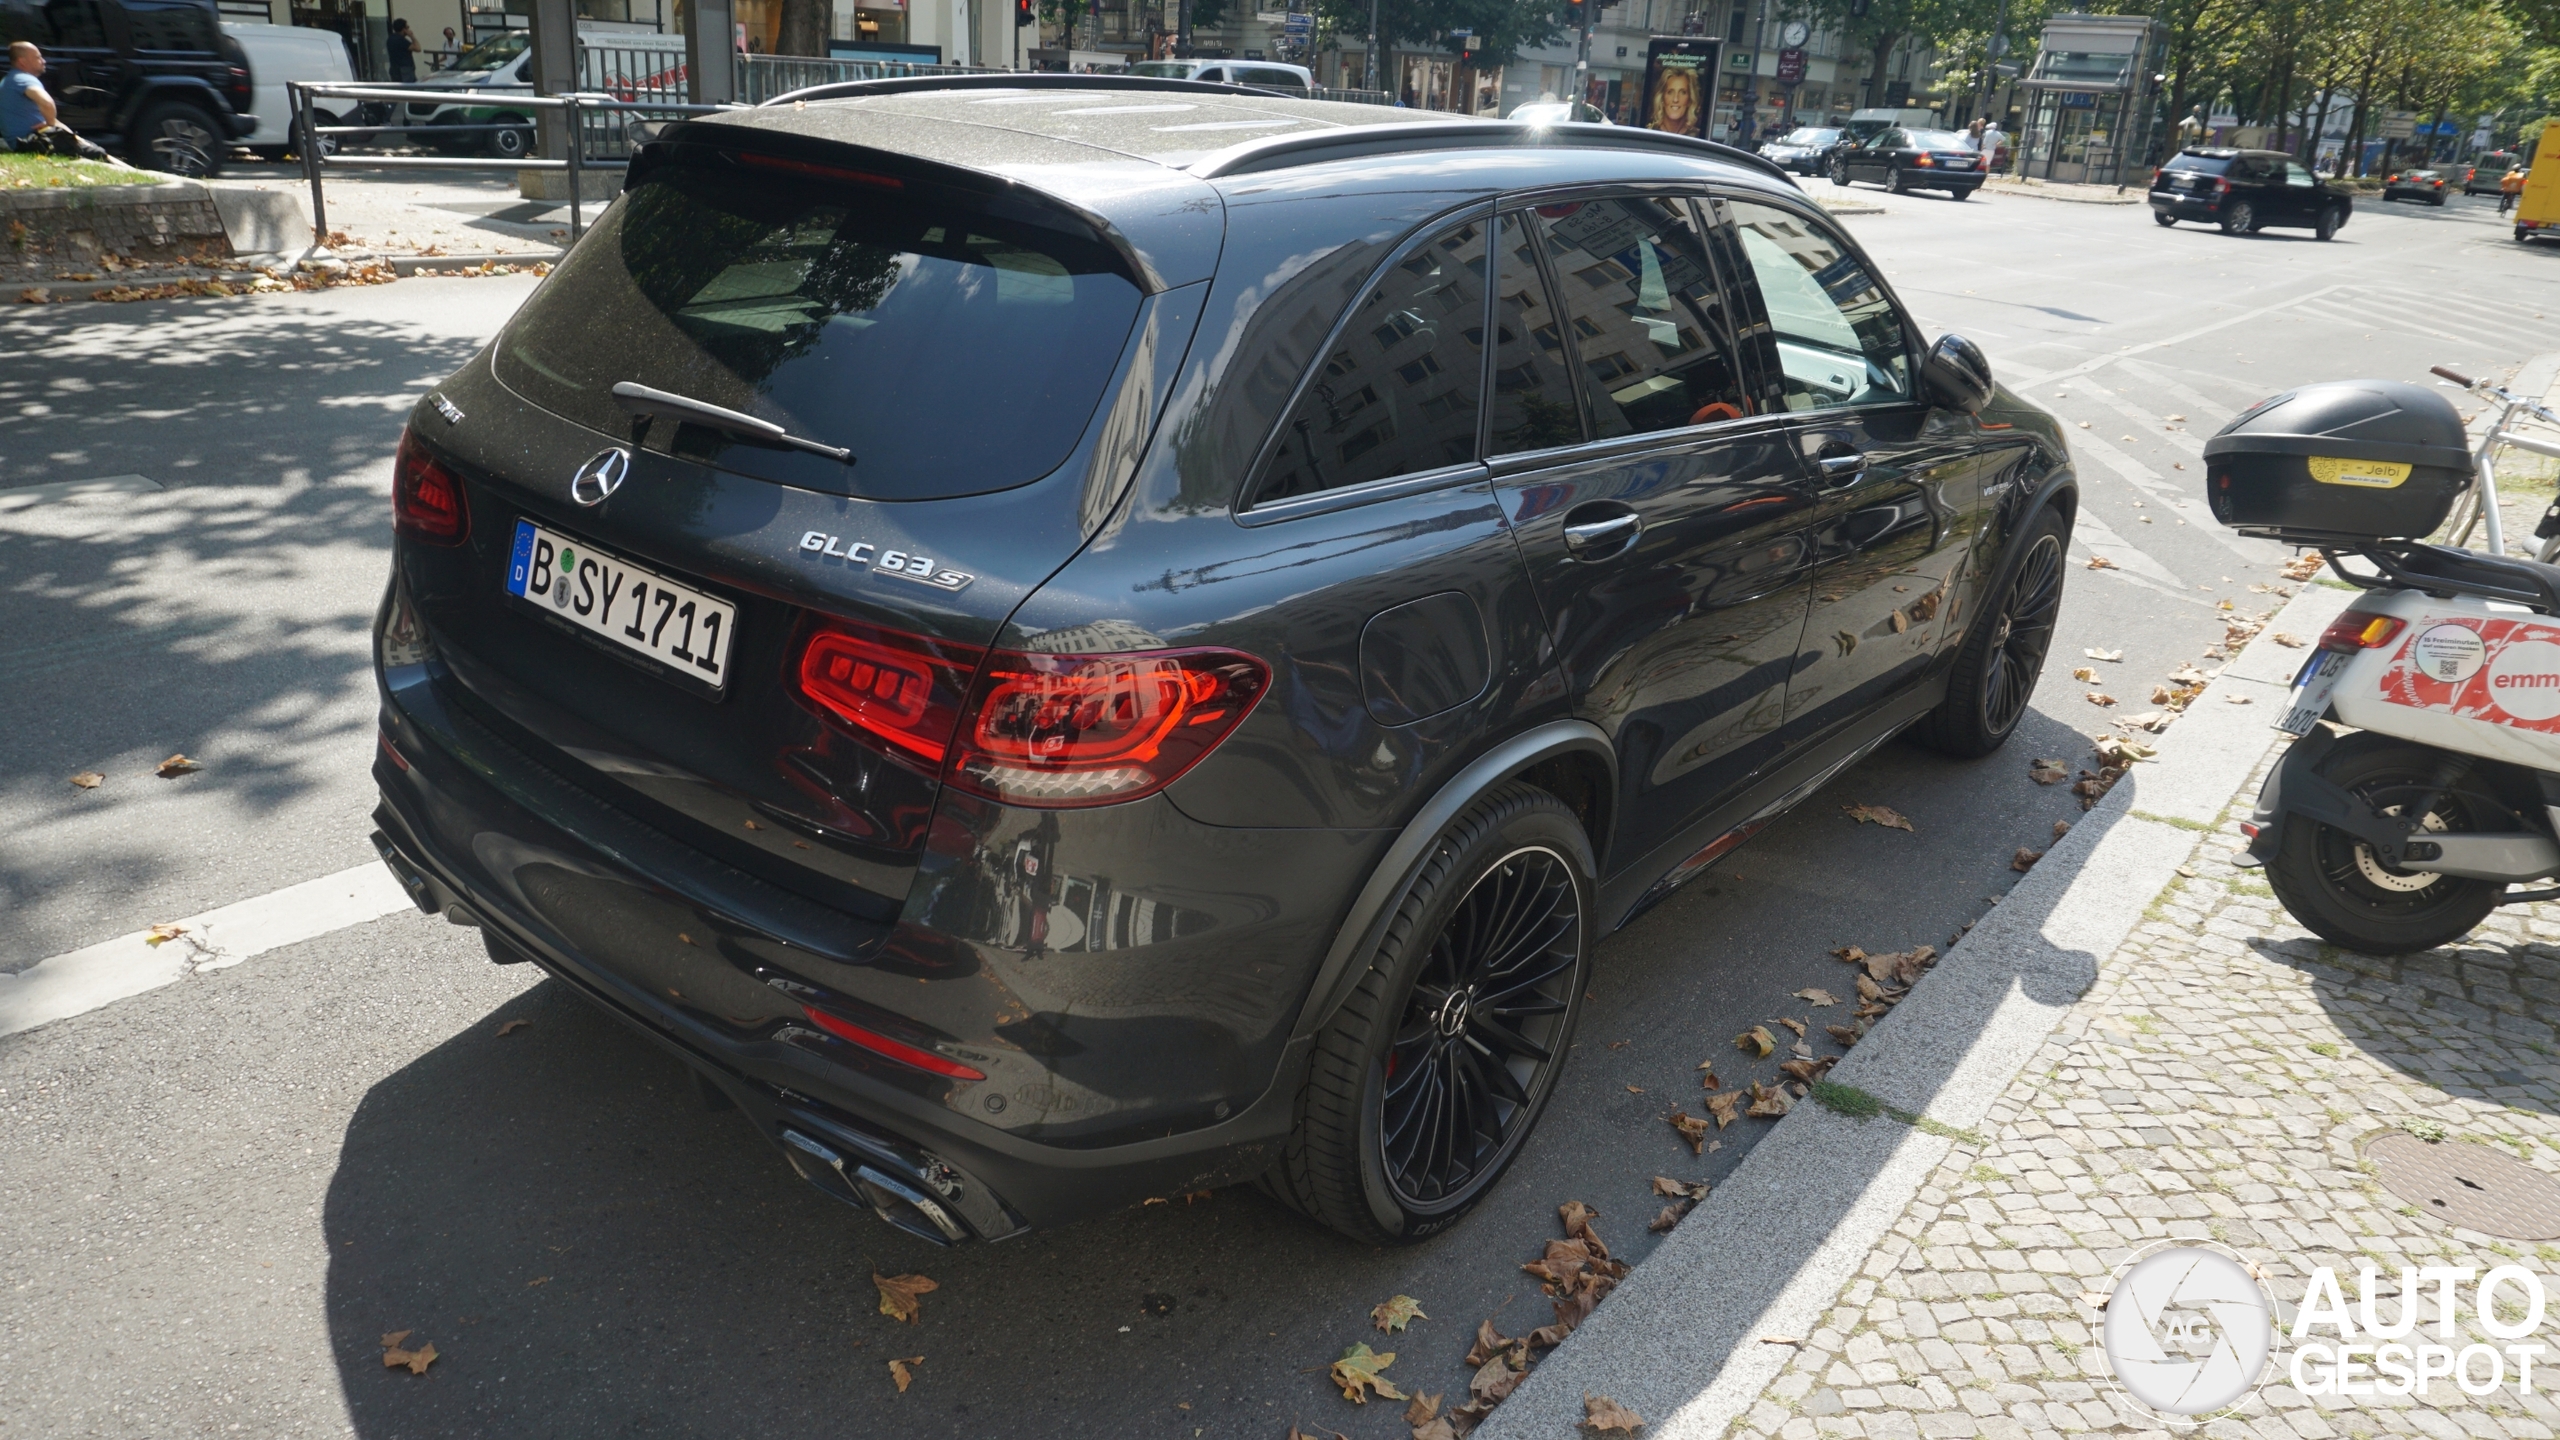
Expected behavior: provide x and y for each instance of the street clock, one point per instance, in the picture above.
(1795, 34)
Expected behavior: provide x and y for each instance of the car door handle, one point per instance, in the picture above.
(1842, 469)
(1594, 538)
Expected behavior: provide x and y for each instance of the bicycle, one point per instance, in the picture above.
(2478, 508)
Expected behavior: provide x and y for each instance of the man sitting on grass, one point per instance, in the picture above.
(28, 120)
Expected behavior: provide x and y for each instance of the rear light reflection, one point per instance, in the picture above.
(1050, 731)
(899, 1051)
(2355, 631)
(426, 498)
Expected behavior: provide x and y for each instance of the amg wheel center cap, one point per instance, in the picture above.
(1452, 1015)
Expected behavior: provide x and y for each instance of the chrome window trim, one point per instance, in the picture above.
(1349, 496)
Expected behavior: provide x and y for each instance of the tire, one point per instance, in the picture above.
(2240, 218)
(2163, 219)
(1363, 1156)
(2338, 889)
(1961, 192)
(512, 143)
(2327, 225)
(2004, 651)
(177, 138)
(1892, 180)
(1839, 174)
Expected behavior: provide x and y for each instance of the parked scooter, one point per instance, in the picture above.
(2426, 779)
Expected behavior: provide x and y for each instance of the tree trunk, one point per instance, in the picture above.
(804, 28)
(1876, 57)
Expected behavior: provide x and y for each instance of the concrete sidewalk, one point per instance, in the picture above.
(2137, 1046)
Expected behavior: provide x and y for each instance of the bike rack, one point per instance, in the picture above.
(574, 109)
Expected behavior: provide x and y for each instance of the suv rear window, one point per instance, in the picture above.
(952, 351)
(2201, 164)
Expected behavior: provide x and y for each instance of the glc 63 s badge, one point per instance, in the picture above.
(895, 563)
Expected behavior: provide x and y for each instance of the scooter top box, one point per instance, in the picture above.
(2340, 462)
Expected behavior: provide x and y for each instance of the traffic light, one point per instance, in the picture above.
(1025, 11)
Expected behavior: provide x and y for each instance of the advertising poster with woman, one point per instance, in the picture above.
(1679, 84)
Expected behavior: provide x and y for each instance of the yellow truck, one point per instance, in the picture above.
(2538, 208)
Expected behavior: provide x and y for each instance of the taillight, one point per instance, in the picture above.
(1065, 730)
(2221, 184)
(2354, 631)
(1050, 731)
(426, 498)
(1923, 161)
(904, 689)
(897, 1050)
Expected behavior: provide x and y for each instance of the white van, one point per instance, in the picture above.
(278, 53)
(1268, 74)
(627, 64)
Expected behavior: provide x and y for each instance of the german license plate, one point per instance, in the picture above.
(635, 608)
(2311, 690)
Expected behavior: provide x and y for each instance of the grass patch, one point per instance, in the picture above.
(44, 172)
(1857, 1104)
(2197, 825)
(2147, 1024)
(2424, 1129)
(2323, 1047)
(1984, 1175)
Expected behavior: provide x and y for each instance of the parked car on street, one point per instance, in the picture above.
(155, 81)
(1806, 149)
(281, 53)
(1268, 74)
(1029, 759)
(1558, 112)
(2245, 191)
(2427, 187)
(2482, 175)
(622, 63)
(1900, 159)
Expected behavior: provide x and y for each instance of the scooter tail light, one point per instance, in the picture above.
(427, 502)
(2355, 631)
(1064, 731)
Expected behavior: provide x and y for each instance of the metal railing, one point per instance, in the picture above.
(578, 112)
(761, 77)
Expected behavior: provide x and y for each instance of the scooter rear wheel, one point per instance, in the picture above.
(2343, 892)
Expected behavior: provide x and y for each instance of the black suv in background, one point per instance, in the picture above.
(154, 80)
(1067, 640)
(2245, 191)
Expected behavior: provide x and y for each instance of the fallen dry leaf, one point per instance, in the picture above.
(2110, 655)
(395, 1354)
(1494, 1380)
(1845, 1035)
(1723, 1107)
(1635, 1089)
(1489, 1343)
(1357, 1373)
(159, 935)
(2304, 566)
(2289, 642)
(1757, 1042)
(900, 1294)
(1781, 1339)
(904, 1371)
(2238, 700)
(2101, 562)
(1876, 815)
(2048, 774)
(1817, 997)
(1601, 1414)
(1710, 1082)
(1768, 1102)
(1398, 1312)
(2095, 698)
(1679, 1189)
(512, 1027)
(175, 766)
(2025, 859)
(1809, 1069)
(1297, 1434)
(1424, 1409)
(88, 779)
(1669, 1216)
(1795, 1025)
(2085, 674)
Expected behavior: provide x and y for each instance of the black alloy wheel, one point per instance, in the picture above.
(2000, 660)
(179, 139)
(2340, 889)
(2239, 218)
(1431, 1072)
(1840, 172)
(1481, 1027)
(2327, 226)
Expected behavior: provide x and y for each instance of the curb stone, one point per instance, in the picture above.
(1767, 1253)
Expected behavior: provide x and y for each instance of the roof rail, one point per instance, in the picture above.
(1016, 80)
(1314, 147)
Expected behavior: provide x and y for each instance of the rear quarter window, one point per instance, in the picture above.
(170, 27)
(2201, 164)
(952, 351)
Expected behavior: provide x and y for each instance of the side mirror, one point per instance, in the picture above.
(1958, 375)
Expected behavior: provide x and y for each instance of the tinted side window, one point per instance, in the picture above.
(1838, 339)
(2296, 175)
(1645, 315)
(170, 27)
(1533, 404)
(77, 25)
(1397, 392)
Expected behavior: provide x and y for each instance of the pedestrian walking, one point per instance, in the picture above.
(404, 53)
(1973, 134)
(2510, 185)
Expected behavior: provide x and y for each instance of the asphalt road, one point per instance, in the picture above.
(217, 1197)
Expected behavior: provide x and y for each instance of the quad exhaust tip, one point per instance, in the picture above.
(854, 1183)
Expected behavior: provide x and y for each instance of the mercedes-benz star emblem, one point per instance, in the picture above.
(600, 476)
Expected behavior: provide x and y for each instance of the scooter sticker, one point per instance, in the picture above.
(2451, 653)
(2503, 672)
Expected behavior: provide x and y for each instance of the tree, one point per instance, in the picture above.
(804, 28)
(1502, 28)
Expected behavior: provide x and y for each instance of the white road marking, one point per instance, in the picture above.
(111, 970)
(2203, 407)
(25, 497)
(2244, 317)
(2090, 533)
(2179, 497)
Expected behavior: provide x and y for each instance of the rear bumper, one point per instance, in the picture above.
(2185, 207)
(1147, 1033)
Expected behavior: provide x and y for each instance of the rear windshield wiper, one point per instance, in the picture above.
(638, 399)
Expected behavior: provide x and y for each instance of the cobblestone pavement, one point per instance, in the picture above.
(2218, 1083)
